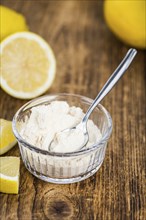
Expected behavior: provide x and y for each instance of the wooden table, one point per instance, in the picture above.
(87, 53)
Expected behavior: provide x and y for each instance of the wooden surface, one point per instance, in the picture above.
(87, 53)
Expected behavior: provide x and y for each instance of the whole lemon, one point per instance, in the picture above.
(11, 22)
(127, 19)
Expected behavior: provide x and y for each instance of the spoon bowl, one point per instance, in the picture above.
(69, 133)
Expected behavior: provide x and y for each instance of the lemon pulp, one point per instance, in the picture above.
(7, 139)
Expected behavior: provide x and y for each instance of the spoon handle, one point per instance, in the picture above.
(123, 66)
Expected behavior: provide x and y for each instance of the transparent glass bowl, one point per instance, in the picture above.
(63, 168)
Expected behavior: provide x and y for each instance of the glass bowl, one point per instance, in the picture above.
(63, 168)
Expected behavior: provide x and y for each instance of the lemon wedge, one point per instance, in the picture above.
(9, 174)
(28, 65)
(7, 139)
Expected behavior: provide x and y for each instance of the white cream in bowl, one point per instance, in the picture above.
(45, 121)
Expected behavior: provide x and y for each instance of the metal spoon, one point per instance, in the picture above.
(82, 126)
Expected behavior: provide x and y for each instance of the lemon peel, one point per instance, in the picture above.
(11, 22)
(127, 20)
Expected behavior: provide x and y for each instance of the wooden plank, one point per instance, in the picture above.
(86, 53)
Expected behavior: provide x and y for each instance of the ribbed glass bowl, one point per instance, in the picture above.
(63, 168)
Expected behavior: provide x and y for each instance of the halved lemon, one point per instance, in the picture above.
(7, 139)
(9, 174)
(28, 65)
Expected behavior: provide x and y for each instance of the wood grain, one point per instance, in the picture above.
(86, 53)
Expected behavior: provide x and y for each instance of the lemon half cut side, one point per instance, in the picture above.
(28, 65)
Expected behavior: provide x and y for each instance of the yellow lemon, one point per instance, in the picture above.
(28, 65)
(127, 19)
(7, 139)
(9, 174)
(11, 22)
